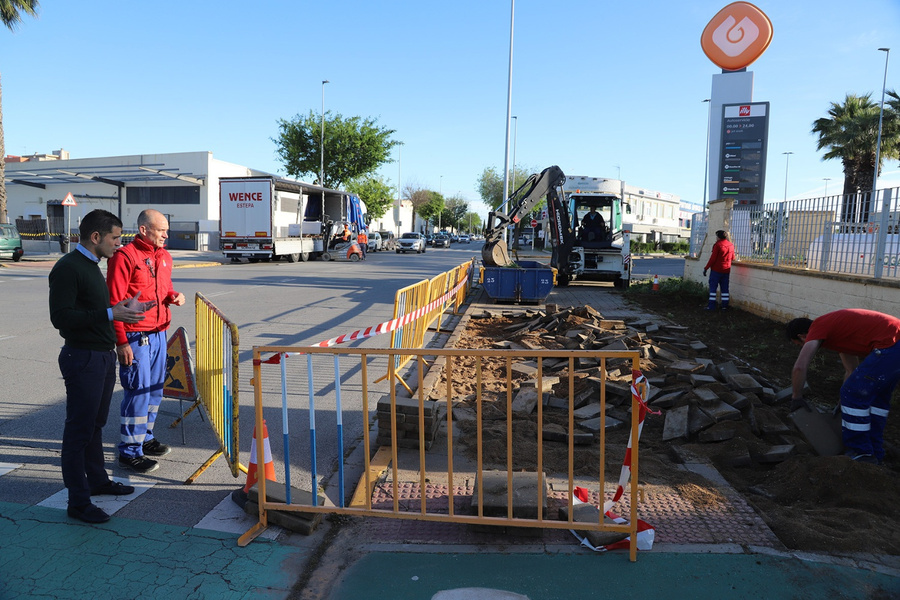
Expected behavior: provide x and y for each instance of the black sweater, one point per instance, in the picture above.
(79, 300)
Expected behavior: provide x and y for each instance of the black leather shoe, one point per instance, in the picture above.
(112, 488)
(89, 513)
(154, 448)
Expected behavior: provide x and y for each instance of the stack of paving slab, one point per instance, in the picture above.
(701, 400)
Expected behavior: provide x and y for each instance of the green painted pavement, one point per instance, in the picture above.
(404, 576)
(45, 554)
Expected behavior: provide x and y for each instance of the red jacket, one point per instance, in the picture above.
(142, 270)
(721, 257)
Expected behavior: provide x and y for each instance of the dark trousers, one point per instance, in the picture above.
(90, 376)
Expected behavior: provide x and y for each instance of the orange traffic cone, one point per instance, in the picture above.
(656, 283)
(270, 464)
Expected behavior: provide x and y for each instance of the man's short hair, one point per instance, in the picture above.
(798, 327)
(99, 220)
(722, 234)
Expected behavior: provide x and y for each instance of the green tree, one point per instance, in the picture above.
(419, 197)
(375, 192)
(354, 147)
(431, 209)
(490, 184)
(11, 12)
(454, 213)
(849, 133)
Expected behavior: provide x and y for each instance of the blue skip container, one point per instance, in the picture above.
(529, 281)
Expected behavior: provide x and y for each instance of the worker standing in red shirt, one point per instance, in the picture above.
(143, 270)
(720, 265)
(868, 343)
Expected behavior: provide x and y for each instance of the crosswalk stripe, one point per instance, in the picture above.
(110, 504)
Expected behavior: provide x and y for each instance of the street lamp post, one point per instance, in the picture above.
(322, 143)
(887, 55)
(441, 194)
(826, 179)
(706, 157)
(787, 160)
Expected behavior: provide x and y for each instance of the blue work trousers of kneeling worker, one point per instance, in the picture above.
(717, 279)
(143, 382)
(866, 400)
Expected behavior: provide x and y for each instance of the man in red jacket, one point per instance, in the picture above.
(143, 269)
(720, 265)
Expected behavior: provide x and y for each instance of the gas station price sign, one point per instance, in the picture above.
(742, 158)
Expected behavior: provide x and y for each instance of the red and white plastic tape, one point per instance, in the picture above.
(381, 328)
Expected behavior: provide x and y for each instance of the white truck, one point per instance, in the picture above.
(268, 218)
(601, 248)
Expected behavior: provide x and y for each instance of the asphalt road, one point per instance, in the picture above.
(272, 304)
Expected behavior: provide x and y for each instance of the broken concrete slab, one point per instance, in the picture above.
(744, 383)
(774, 454)
(720, 432)
(698, 420)
(676, 424)
(685, 366)
(557, 433)
(525, 401)
(588, 411)
(818, 429)
(667, 400)
(720, 411)
(705, 394)
(527, 495)
(605, 421)
(698, 380)
(588, 513)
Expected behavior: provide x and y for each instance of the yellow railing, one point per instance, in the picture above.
(217, 381)
(356, 364)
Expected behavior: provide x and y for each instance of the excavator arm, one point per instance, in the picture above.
(548, 183)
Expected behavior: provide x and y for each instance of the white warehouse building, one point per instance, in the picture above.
(184, 186)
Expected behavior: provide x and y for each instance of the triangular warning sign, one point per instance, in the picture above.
(69, 200)
(180, 381)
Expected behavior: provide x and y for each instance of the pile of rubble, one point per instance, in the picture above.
(703, 400)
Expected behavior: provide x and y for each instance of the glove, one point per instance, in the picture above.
(704, 272)
(797, 403)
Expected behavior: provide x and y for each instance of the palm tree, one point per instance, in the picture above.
(11, 15)
(849, 133)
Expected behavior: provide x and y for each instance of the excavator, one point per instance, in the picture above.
(548, 182)
(578, 251)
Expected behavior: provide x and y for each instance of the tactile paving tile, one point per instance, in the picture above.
(675, 519)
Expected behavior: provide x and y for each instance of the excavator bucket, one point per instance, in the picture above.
(495, 254)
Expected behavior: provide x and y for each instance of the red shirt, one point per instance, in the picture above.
(721, 257)
(145, 271)
(855, 331)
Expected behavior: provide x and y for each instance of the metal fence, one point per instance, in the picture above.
(854, 234)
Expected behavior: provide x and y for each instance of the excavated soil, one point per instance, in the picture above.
(814, 503)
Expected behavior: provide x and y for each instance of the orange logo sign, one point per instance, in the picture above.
(736, 36)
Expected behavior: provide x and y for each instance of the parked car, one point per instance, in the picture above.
(388, 240)
(375, 243)
(454, 237)
(10, 243)
(411, 241)
(440, 241)
(428, 239)
(464, 239)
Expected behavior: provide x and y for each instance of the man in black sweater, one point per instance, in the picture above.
(80, 310)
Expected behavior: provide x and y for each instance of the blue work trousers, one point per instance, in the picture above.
(143, 382)
(717, 279)
(866, 400)
(90, 377)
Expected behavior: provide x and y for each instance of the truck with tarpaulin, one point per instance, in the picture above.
(270, 218)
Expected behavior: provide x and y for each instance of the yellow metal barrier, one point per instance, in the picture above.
(217, 381)
(356, 362)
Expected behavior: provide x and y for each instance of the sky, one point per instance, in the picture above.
(600, 88)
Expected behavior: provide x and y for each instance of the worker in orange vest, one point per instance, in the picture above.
(363, 241)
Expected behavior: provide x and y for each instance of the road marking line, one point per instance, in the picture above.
(8, 468)
(110, 504)
(228, 517)
(6, 337)
(213, 295)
